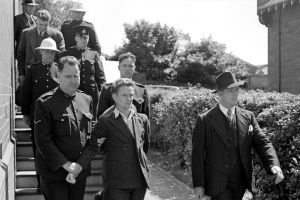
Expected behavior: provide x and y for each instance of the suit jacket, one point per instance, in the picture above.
(125, 161)
(140, 99)
(67, 29)
(21, 22)
(210, 149)
(27, 52)
(61, 125)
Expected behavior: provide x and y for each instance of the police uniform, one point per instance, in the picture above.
(68, 31)
(63, 124)
(92, 77)
(140, 99)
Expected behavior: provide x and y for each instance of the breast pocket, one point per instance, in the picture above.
(63, 125)
(89, 67)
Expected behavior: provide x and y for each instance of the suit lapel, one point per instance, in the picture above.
(121, 126)
(32, 38)
(242, 124)
(216, 121)
(25, 20)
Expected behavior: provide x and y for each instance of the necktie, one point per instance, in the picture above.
(229, 116)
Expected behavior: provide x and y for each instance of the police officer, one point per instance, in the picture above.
(127, 69)
(77, 13)
(40, 78)
(63, 123)
(91, 69)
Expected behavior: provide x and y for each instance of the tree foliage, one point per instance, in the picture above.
(59, 10)
(149, 40)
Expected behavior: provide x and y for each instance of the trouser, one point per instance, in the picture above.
(124, 194)
(62, 190)
(234, 191)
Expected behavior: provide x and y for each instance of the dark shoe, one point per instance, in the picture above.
(99, 196)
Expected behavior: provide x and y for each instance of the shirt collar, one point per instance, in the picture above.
(117, 113)
(225, 110)
(28, 16)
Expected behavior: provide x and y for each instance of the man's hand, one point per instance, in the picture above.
(71, 178)
(278, 172)
(199, 192)
(100, 141)
(21, 80)
(26, 119)
(72, 168)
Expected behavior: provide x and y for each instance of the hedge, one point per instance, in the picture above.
(173, 117)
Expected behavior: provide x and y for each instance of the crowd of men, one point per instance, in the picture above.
(74, 114)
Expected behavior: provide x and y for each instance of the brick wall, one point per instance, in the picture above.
(7, 100)
(290, 49)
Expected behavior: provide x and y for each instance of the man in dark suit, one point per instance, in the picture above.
(126, 134)
(140, 99)
(63, 123)
(92, 77)
(222, 141)
(32, 38)
(24, 20)
(77, 13)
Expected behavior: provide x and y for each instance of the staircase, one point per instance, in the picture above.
(26, 181)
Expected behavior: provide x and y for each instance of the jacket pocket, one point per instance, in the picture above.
(63, 125)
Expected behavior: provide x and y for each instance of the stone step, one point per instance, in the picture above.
(19, 122)
(27, 179)
(23, 134)
(24, 148)
(25, 163)
(31, 193)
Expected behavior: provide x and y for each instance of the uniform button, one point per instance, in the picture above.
(83, 81)
(226, 166)
(82, 75)
(82, 69)
(47, 86)
(47, 80)
(62, 120)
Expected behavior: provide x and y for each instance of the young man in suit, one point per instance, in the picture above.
(32, 38)
(24, 20)
(221, 147)
(126, 134)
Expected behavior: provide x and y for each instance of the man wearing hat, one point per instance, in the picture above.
(92, 77)
(77, 13)
(32, 38)
(24, 20)
(40, 78)
(221, 147)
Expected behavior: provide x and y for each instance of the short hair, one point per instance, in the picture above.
(127, 55)
(44, 15)
(120, 83)
(71, 60)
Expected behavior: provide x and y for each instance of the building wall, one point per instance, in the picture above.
(290, 49)
(7, 147)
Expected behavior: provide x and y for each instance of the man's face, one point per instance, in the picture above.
(69, 79)
(47, 56)
(229, 97)
(124, 97)
(41, 25)
(29, 9)
(126, 68)
(77, 15)
(82, 41)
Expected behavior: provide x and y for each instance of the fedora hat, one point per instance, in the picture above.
(227, 80)
(78, 8)
(48, 44)
(29, 3)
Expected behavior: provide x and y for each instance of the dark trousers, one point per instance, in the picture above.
(124, 194)
(62, 190)
(233, 191)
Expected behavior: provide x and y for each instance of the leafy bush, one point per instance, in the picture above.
(174, 114)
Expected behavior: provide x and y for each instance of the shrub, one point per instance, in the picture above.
(174, 114)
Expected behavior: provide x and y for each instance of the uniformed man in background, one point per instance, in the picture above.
(140, 99)
(41, 77)
(77, 13)
(91, 70)
(63, 122)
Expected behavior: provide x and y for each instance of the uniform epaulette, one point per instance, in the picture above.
(68, 21)
(108, 84)
(48, 94)
(139, 84)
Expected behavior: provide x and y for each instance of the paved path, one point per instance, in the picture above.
(166, 187)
